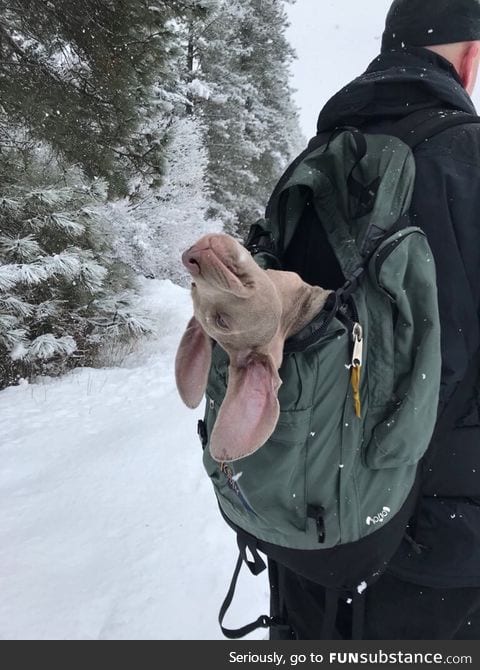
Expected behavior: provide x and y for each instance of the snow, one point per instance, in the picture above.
(361, 587)
(199, 89)
(109, 525)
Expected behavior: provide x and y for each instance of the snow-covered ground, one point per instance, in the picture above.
(109, 527)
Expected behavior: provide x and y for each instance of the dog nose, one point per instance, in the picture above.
(192, 257)
(190, 261)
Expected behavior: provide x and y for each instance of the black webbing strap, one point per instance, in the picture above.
(256, 567)
(330, 616)
(354, 280)
(332, 598)
(426, 123)
(358, 616)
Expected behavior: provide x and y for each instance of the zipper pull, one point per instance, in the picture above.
(356, 367)
(357, 356)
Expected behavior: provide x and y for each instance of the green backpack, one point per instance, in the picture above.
(331, 491)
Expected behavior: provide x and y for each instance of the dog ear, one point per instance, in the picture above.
(192, 364)
(250, 410)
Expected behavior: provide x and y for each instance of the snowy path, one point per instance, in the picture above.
(109, 527)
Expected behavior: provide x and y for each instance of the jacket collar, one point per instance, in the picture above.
(395, 84)
(413, 57)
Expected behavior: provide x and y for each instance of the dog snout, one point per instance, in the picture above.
(192, 257)
(191, 262)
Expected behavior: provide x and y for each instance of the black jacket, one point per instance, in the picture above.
(446, 205)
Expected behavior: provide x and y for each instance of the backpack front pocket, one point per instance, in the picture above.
(267, 488)
(271, 492)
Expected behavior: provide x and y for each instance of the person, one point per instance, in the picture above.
(429, 59)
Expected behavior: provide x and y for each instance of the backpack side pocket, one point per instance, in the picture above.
(403, 268)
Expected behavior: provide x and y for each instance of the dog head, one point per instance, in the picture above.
(250, 312)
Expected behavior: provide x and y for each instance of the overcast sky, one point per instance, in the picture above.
(335, 40)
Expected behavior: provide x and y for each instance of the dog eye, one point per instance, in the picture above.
(221, 323)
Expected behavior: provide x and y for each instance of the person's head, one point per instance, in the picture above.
(450, 28)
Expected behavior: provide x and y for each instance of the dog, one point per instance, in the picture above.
(249, 312)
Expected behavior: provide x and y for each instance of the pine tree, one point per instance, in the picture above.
(225, 113)
(241, 59)
(151, 234)
(60, 296)
(153, 227)
(83, 76)
(275, 131)
(127, 130)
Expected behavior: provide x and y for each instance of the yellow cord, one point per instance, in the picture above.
(355, 379)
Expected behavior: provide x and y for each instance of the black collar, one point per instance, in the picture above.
(413, 57)
(395, 84)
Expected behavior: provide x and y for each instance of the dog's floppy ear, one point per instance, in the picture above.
(192, 364)
(250, 410)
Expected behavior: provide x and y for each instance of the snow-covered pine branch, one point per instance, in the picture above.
(20, 249)
(55, 264)
(45, 347)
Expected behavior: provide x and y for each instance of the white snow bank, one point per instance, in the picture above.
(109, 526)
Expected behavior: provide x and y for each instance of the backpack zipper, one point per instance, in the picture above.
(356, 367)
(357, 355)
(294, 345)
(381, 257)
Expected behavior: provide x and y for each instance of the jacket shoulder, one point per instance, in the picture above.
(461, 143)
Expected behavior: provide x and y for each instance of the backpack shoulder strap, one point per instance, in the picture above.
(426, 123)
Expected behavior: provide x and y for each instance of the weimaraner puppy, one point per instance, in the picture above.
(250, 312)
